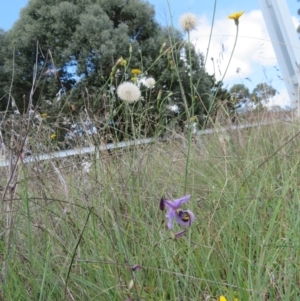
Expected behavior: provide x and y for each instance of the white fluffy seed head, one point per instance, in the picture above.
(150, 82)
(129, 92)
(188, 21)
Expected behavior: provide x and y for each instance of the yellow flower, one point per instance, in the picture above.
(134, 79)
(53, 136)
(235, 16)
(44, 115)
(136, 71)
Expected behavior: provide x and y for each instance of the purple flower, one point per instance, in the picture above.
(183, 217)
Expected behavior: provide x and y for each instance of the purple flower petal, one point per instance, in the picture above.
(170, 215)
(176, 203)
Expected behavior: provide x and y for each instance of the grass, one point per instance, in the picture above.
(76, 235)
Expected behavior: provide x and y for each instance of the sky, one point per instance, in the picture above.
(253, 61)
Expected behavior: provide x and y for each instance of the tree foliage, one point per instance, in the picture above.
(3, 47)
(263, 92)
(240, 91)
(75, 45)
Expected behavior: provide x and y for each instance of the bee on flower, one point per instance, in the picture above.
(182, 217)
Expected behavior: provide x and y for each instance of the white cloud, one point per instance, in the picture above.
(253, 56)
(253, 45)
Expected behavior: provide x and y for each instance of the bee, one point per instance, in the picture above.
(183, 215)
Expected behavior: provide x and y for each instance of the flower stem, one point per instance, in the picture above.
(189, 115)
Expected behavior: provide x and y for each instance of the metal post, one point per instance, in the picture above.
(286, 45)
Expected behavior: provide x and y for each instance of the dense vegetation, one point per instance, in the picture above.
(80, 226)
(62, 56)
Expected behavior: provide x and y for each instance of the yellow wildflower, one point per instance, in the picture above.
(136, 71)
(44, 115)
(134, 79)
(235, 16)
(53, 136)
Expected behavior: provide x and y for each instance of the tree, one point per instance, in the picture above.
(75, 45)
(79, 38)
(262, 92)
(240, 91)
(5, 76)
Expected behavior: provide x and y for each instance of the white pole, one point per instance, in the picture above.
(286, 45)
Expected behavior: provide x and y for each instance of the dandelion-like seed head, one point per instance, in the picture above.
(128, 92)
(188, 21)
(150, 82)
(235, 16)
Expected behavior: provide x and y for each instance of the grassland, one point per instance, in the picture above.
(70, 232)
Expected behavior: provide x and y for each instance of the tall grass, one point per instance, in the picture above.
(77, 234)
